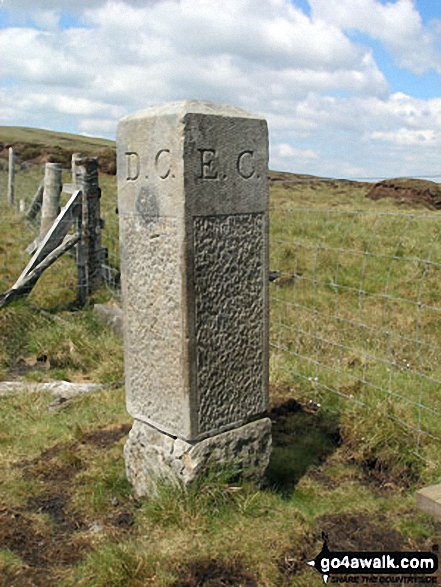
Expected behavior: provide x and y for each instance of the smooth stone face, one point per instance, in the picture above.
(152, 457)
(193, 201)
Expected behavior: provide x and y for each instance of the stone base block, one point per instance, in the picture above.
(428, 499)
(153, 456)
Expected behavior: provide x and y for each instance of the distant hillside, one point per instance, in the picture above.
(38, 146)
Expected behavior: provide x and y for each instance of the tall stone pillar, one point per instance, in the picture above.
(193, 211)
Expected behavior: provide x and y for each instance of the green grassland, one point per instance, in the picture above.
(48, 139)
(354, 403)
(356, 309)
(37, 146)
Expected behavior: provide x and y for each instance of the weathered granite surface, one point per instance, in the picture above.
(193, 210)
(152, 456)
(229, 318)
(193, 201)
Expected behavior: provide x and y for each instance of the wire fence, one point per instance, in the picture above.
(356, 311)
(354, 300)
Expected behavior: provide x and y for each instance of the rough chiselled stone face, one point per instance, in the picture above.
(229, 314)
(151, 456)
(193, 199)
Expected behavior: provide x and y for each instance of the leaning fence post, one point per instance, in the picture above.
(50, 207)
(11, 176)
(90, 252)
(35, 205)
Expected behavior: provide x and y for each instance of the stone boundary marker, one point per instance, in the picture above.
(193, 212)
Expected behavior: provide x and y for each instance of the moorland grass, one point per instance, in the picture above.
(351, 359)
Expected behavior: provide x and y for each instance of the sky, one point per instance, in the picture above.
(350, 88)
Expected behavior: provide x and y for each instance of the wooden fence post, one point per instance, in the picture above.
(11, 176)
(81, 261)
(90, 252)
(35, 205)
(52, 187)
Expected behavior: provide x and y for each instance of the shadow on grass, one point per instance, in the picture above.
(302, 438)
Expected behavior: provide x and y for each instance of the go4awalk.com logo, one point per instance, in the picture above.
(388, 568)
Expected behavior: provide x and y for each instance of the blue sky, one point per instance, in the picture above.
(350, 88)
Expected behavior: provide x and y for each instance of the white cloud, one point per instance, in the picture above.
(397, 24)
(405, 136)
(97, 126)
(38, 57)
(286, 150)
(58, 5)
(261, 56)
(327, 102)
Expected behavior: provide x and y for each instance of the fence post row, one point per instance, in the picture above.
(11, 176)
(53, 240)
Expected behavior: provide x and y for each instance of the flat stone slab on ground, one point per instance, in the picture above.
(112, 315)
(64, 389)
(428, 499)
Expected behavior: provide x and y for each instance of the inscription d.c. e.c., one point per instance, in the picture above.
(208, 164)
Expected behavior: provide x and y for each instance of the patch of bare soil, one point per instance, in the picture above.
(123, 520)
(23, 366)
(303, 438)
(215, 573)
(361, 532)
(104, 437)
(378, 475)
(20, 534)
(46, 546)
(61, 462)
(56, 505)
(294, 559)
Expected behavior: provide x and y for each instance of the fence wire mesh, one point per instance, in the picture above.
(355, 310)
